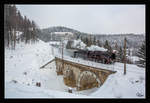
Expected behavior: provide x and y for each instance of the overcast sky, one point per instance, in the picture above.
(89, 18)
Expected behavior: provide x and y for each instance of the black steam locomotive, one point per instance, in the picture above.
(97, 56)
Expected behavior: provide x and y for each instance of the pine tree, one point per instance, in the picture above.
(89, 43)
(6, 25)
(35, 31)
(15, 24)
(99, 43)
(25, 28)
(116, 46)
(29, 30)
(107, 46)
(142, 55)
(85, 40)
(120, 55)
(69, 43)
(94, 40)
(12, 24)
(13, 21)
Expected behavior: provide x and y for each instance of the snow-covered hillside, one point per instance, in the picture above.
(131, 85)
(22, 72)
(22, 67)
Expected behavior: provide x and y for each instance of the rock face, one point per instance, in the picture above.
(81, 76)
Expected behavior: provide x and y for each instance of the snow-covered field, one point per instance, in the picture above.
(22, 72)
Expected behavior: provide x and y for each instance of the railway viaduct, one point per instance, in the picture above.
(81, 76)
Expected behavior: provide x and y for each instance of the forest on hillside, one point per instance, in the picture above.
(17, 27)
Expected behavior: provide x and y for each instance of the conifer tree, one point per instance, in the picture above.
(142, 55)
(94, 40)
(13, 21)
(116, 46)
(99, 43)
(107, 46)
(120, 55)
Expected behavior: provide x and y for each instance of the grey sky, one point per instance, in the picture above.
(89, 18)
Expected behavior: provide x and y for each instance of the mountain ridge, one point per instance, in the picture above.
(134, 40)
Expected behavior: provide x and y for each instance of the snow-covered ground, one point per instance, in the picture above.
(22, 72)
(16, 90)
(134, 59)
(131, 85)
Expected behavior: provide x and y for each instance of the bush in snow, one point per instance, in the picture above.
(11, 57)
(141, 78)
(14, 81)
(139, 94)
(25, 73)
(70, 90)
(38, 84)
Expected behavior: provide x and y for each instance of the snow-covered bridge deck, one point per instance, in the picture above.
(88, 63)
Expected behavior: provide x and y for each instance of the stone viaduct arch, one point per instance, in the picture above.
(87, 79)
(81, 76)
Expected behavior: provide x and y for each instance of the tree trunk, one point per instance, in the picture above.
(125, 56)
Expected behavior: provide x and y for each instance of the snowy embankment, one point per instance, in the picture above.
(24, 62)
(22, 72)
(118, 85)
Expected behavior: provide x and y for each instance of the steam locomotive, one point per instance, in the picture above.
(97, 56)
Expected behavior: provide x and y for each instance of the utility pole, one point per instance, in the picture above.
(62, 56)
(125, 56)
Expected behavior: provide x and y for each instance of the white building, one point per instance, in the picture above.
(61, 36)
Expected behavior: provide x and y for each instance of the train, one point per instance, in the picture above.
(97, 56)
